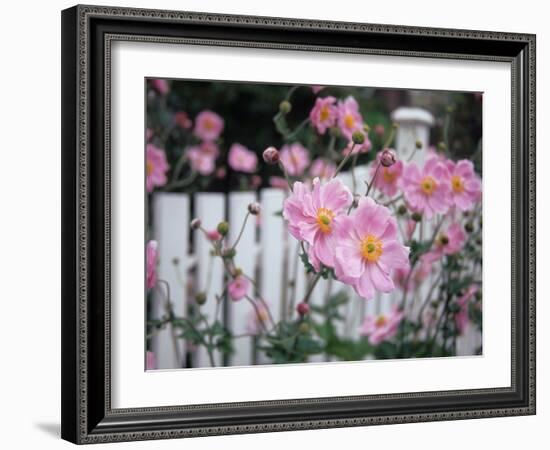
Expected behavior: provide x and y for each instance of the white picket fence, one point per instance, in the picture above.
(266, 252)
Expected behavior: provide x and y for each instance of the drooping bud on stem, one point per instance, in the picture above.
(195, 224)
(271, 155)
(285, 107)
(254, 208)
(388, 157)
(223, 228)
(302, 309)
(358, 137)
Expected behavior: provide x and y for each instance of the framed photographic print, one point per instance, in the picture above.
(281, 224)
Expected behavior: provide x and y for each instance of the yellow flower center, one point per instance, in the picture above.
(457, 184)
(208, 124)
(324, 219)
(381, 320)
(149, 168)
(349, 121)
(428, 185)
(324, 114)
(388, 175)
(371, 248)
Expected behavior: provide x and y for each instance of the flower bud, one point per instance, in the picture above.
(285, 107)
(271, 155)
(237, 272)
(416, 216)
(366, 128)
(229, 253)
(304, 328)
(469, 227)
(388, 157)
(418, 144)
(441, 146)
(358, 137)
(302, 308)
(223, 228)
(402, 210)
(443, 239)
(254, 208)
(200, 298)
(196, 224)
(395, 125)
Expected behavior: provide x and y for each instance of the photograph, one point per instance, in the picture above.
(290, 223)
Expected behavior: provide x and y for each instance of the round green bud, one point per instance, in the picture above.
(416, 216)
(418, 144)
(441, 146)
(469, 227)
(366, 128)
(285, 107)
(402, 210)
(223, 228)
(200, 298)
(443, 239)
(238, 271)
(358, 137)
(304, 328)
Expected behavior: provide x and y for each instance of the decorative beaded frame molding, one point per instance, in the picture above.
(87, 35)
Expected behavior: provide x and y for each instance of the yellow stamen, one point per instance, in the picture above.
(381, 321)
(149, 168)
(208, 124)
(324, 219)
(428, 185)
(389, 176)
(324, 113)
(457, 184)
(349, 121)
(371, 248)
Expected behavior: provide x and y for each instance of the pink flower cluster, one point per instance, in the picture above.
(156, 167)
(382, 327)
(363, 247)
(242, 159)
(208, 128)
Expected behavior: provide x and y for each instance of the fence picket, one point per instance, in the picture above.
(171, 230)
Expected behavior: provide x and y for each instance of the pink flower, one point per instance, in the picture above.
(258, 318)
(148, 134)
(295, 159)
(160, 85)
(465, 184)
(221, 173)
(367, 249)
(388, 178)
(156, 167)
(379, 130)
(427, 191)
(407, 281)
(322, 168)
(313, 215)
(349, 117)
(150, 361)
(151, 254)
(324, 113)
(203, 157)
(278, 183)
(238, 288)
(462, 318)
(182, 120)
(447, 242)
(208, 126)
(316, 89)
(213, 235)
(242, 159)
(382, 327)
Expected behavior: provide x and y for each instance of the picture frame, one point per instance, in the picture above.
(87, 413)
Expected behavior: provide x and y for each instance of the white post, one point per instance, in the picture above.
(171, 230)
(414, 125)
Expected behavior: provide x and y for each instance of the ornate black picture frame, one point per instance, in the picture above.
(87, 34)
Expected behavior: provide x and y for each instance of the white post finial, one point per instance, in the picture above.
(414, 125)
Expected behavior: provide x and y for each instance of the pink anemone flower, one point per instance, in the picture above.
(427, 191)
(203, 157)
(324, 113)
(367, 249)
(408, 281)
(208, 126)
(151, 254)
(382, 327)
(388, 178)
(160, 85)
(447, 242)
(295, 159)
(314, 215)
(465, 184)
(242, 159)
(349, 117)
(323, 169)
(238, 288)
(156, 167)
